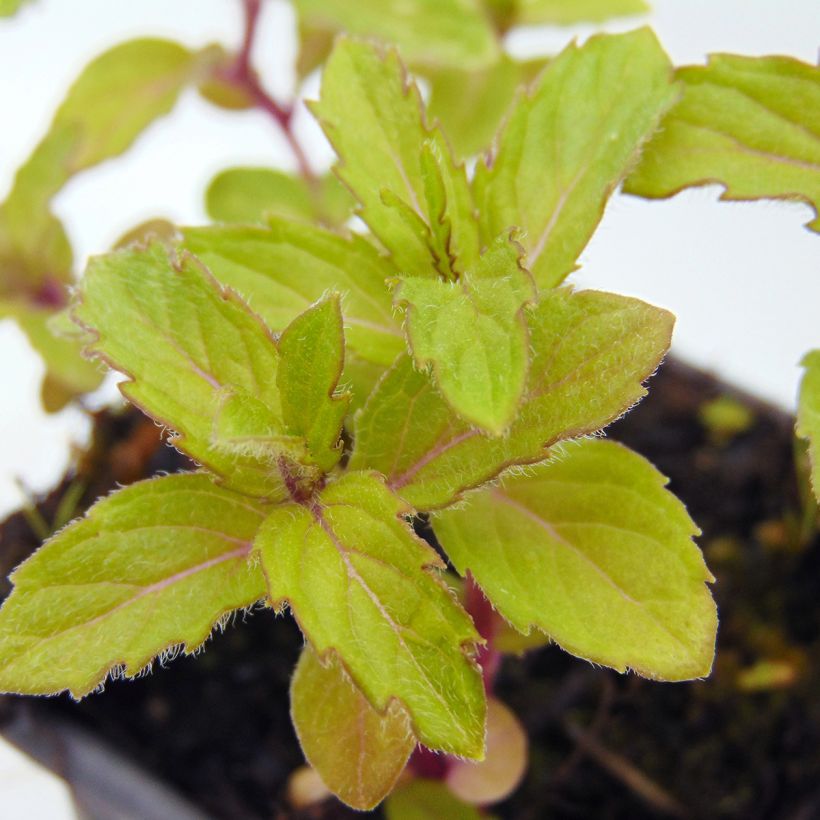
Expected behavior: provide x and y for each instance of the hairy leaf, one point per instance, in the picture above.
(428, 800)
(150, 570)
(570, 142)
(428, 32)
(808, 414)
(196, 359)
(751, 124)
(361, 585)
(593, 550)
(591, 351)
(414, 199)
(358, 752)
(473, 332)
(249, 195)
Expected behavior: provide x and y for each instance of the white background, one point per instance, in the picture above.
(744, 279)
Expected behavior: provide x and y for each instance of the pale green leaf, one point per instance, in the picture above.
(10, 7)
(427, 32)
(593, 550)
(149, 571)
(566, 13)
(414, 199)
(361, 585)
(751, 124)
(808, 414)
(470, 105)
(591, 353)
(358, 752)
(312, 358)
(473, 333)
(250, 195)
(194, 354)
(569, 142)
(428, 800)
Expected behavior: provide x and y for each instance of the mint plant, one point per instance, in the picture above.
(331, 384)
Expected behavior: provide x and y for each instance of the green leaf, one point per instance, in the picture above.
(312, 352)
(569, 143)
(284, 268)
(249, 195)
(563, 13)
(414, 199)
(808, 414)
(593, 550)
(474, 334)
(148, 572)
(196, 359)
(10, 7)
(591, 351)
(428, 32)
(428, 800)
(470, 105)
(358, 752)
(361, 585)
(751, 124)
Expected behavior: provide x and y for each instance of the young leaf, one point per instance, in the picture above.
(570, 142)
(498, 775)
(197, 360)
(249, 195)
(474, 334)
(579, 11)
(751, 124)
(151, 569)
(593, 550)
(591, 351)
(428, 800)
(361, 585)
(808, 414)
(358, 751)
(312, 357)
(414, 199)
(287, 266)
(428, 32)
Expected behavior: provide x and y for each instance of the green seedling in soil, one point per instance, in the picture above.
(332, 385)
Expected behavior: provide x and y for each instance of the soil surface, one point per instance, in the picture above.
(743, 744)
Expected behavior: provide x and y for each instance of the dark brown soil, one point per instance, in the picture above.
(743, 744)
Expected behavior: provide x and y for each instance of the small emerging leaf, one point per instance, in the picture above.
(428, 800)
(593, 550)
(150, 569)
(751, 124)
(362, 586)
(569, 142)
(358, 751)
(808, 414)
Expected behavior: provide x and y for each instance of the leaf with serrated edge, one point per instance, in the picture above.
(569, 142)
(187, 346)
(808, 414)
(150, 569)
(361, 585)
(358, 751)
(751, 124)
(428, 800)
(591, 352)
(312, 357)
(413, 197)
(474, 334)
(593, 550)
(428, 32)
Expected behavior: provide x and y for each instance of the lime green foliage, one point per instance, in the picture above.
(556, 164)
(578, 11)
(808, 414)
(428, 800)
(349, 567)
(9, 7)
(725, 417)
(474, 334)
(249, 195)
(358, 752)
(621, 582)
(151, 570)
(591, 353)
(428, 32)
(751, 124)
